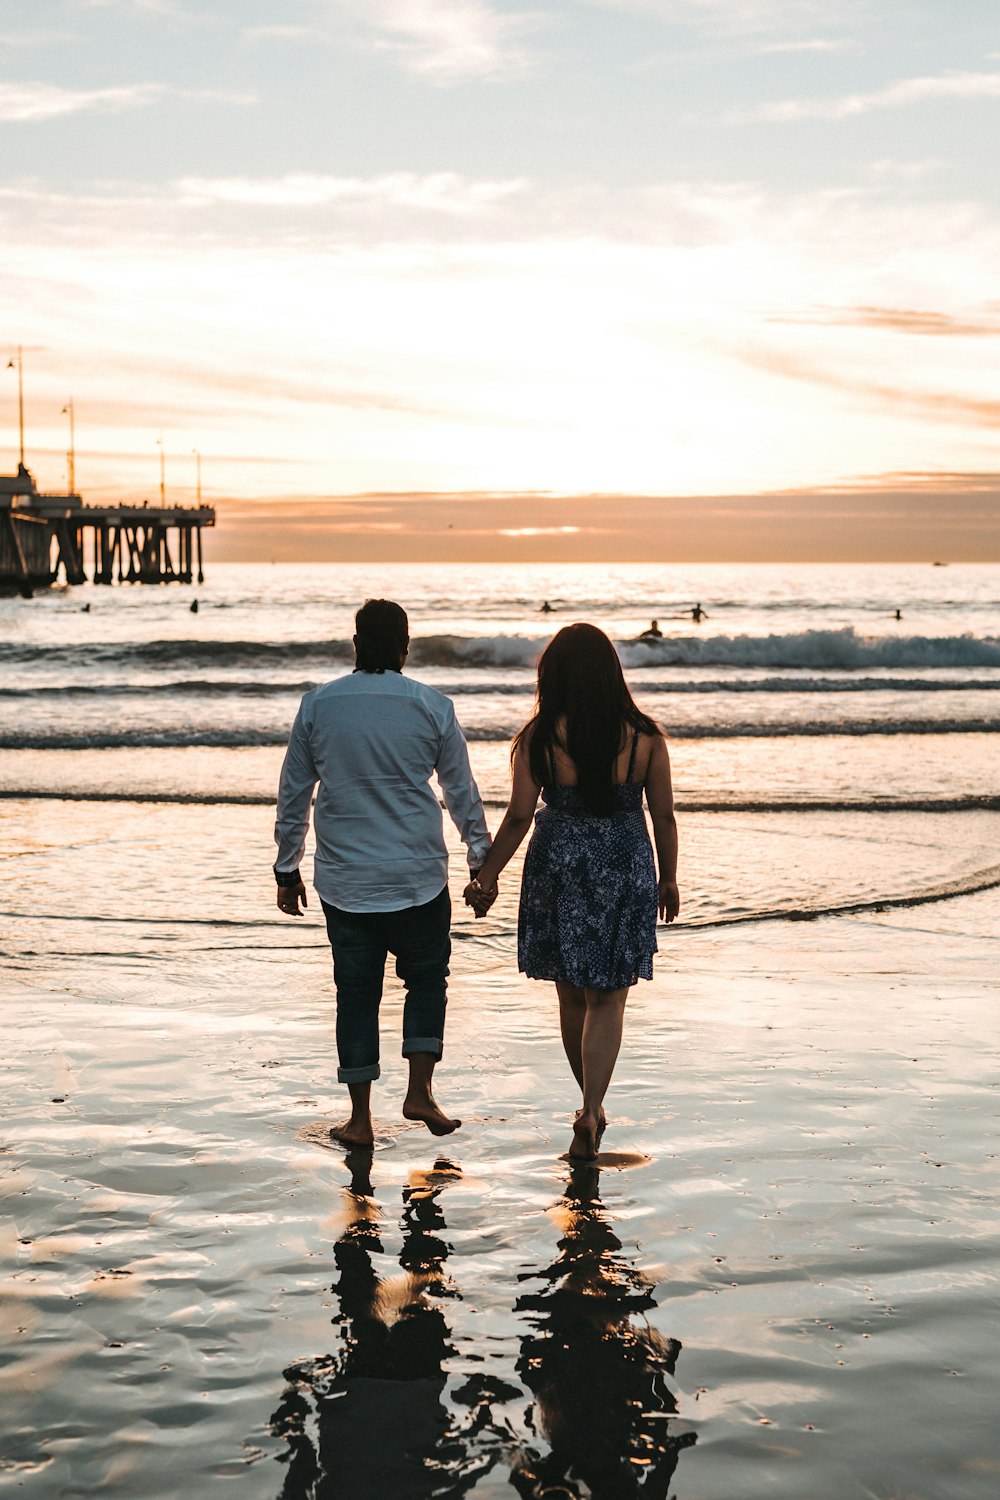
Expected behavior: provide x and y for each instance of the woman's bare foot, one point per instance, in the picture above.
(584, 1143)
(354, 1133)
(423, 1107)
(602, 1125)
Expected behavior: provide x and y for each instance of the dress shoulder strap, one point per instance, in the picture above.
(631, 759)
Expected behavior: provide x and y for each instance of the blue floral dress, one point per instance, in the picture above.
(588, 893)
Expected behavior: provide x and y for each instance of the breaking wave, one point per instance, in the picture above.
(967, 803)
(842, 650)
(248, 687)
(817, 650)
(249, 738)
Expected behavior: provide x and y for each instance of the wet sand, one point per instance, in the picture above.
(777, 1282)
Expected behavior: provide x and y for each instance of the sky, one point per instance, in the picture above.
(564, 278)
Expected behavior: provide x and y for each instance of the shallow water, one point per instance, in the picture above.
(112, 885)
(792, 1285)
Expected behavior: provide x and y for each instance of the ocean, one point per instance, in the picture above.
(801, 713)
(797, 1121)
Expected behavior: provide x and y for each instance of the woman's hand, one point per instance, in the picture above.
(670, 900)
(479, 898)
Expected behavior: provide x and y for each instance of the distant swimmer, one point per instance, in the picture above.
(194, 606)
(698, 614)
(652, 632)
(546, 608)
(898, 615)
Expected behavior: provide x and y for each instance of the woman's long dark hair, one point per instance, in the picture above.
(580, 681)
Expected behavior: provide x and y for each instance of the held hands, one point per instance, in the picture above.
(479, 898)
(669, 900)
(289, 897)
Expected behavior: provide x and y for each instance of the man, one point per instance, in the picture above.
(372, 741)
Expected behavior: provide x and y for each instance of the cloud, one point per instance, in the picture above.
(173, 9)
(437, 192)
(544, 342)
(43, 37)
(892, 517)
(899, 320)
(913, 481)
(446, 40)
(277, 33)
(887, 168)
(21, 102)
(947, 407)
(813, 44)
(540, 530)
(740, 17)
(893, 96)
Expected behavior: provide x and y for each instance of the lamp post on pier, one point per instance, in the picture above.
(71, 455)
(18, 365)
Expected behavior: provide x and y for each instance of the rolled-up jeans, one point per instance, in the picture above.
(419, 937)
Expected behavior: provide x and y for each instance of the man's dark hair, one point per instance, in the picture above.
(383, 636)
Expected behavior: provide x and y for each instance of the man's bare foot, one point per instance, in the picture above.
(584, 1143)
(354, 1133)
(423, 1107)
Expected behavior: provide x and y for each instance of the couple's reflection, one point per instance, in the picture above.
(369, 1422)
(366, 1423)
(595, 1366)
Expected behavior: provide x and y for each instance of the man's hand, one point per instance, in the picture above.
(480, 900)
(289, 897)
(669, 900)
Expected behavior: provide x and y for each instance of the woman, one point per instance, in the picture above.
(589, 893)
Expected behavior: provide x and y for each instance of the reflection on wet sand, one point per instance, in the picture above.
(375, 1415)
(596, 1368)
(370, 1421)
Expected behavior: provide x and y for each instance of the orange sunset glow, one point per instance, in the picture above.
(742, 304)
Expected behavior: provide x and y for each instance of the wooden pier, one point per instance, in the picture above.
(43, 534)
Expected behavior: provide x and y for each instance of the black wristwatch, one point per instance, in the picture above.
(288, 877)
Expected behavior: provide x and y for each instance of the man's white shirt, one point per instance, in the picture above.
(373, 741)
